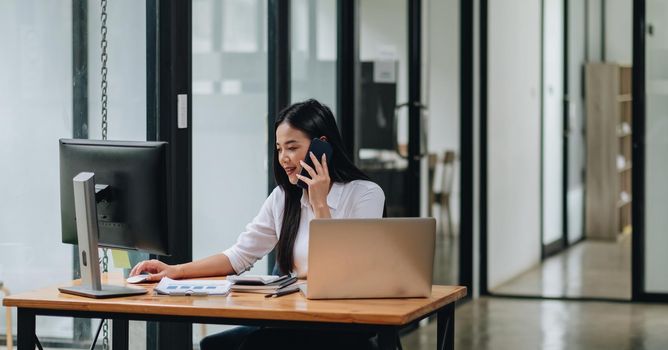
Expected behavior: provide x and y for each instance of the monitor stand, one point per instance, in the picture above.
(87, 236)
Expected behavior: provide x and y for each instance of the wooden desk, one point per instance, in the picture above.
(385, 316)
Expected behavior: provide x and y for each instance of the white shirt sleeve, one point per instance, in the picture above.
(369, 204)
(258, 239)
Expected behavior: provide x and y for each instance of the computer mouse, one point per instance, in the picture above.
(137, 278)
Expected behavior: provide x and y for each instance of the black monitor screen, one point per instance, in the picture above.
(377, 119)
(133, 211)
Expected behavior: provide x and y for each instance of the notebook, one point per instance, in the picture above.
(267, 288)
(255, 279)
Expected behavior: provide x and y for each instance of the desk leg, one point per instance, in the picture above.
(26, 329)
(387, 339)
(446, 328)
(120, 334)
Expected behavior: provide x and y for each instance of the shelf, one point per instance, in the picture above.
(609, 126)
(625, 168)
(623, 129)
(623, 203)
(627, 230)
(624, 98)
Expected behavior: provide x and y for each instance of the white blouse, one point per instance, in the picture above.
(355, 199)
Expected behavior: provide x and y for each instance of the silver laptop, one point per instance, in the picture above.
(370, 258)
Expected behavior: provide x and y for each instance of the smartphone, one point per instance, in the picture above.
(318, 147)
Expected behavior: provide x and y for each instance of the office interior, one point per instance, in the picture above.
(473, 112)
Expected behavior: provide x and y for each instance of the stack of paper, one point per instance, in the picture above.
(265, 284)
(169, 286)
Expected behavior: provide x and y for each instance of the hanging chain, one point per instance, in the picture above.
(105, 335)
(103, 44)
(103, 85)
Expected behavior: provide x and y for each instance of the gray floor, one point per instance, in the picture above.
(446, 260)
(588, 269)
(596, 269)
(504, 323)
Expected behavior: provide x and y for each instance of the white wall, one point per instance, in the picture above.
(656, 143)
(475, 292)
(595, 16)
(619, 31)
(553, 115)
(513, 143)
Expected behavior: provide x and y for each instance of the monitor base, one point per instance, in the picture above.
(108, 291)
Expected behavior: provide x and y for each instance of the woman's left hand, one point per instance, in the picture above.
(318, 185)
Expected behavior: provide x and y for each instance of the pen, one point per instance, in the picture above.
(284, 291)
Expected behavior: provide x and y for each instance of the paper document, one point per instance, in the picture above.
(169, 286)
(255, 279)
(265, 289)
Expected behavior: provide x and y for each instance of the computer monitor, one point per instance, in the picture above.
(113, 194)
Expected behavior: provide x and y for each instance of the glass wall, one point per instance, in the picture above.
(229, 124)
(381, 126)
(441, 74)
(36, 110)
(126, 66)
(313, 66)
(576, 146)
(36, 99)
(656, 147)
(126, 95)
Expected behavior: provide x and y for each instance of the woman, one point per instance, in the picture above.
(336, 189)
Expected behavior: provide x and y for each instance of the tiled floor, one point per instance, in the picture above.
(596, 269)
(503, 323)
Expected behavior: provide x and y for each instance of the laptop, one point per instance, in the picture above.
(370, 258)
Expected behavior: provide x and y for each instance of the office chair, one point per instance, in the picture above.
(442, 198)
(8, 322)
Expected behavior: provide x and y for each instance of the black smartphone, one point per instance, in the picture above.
(318, 147)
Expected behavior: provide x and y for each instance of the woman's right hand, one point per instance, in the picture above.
(157, 270)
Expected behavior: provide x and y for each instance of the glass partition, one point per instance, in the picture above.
(36, 99)
(656, 147)
(126, 101)
(229, 124)
(36, 109)
(313, 66)
(382, 124)
(442, 89)
(126, 70)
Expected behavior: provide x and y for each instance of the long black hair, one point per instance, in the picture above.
(315, 120)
